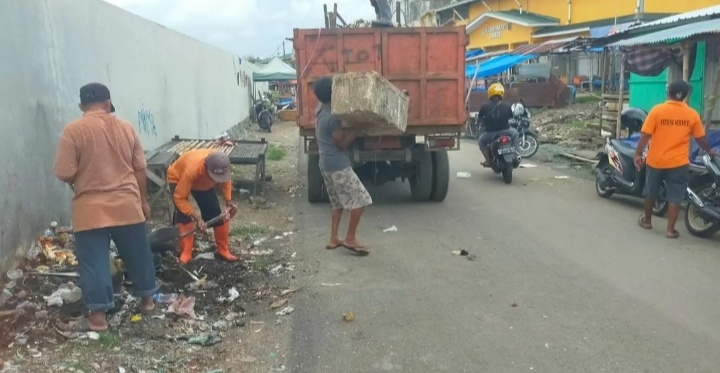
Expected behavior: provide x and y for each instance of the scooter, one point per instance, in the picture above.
(702, 216)
(616, 173)
(503, 159)
(528, 144)
(263, 116)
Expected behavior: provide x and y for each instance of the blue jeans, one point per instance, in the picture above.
(92, 249)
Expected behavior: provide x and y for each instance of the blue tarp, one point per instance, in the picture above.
(496, 65)
(473, 53)
(713, 138)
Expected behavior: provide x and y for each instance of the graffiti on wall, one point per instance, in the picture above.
(146, 123)
(243, 79)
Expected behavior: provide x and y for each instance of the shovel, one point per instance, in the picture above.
(165, 239)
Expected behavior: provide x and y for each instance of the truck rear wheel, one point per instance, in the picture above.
(315, 185)
(441, 175)
(422, 181)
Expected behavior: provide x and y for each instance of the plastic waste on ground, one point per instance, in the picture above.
(165, 298)
(65, 294)
(464, 175)
(390, 229)
(14, 274)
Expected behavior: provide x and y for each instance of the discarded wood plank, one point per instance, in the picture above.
(577, 158)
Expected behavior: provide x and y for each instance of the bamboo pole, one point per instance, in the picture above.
(603, 77)
(472, 82)
(711, 101)
(621, 92)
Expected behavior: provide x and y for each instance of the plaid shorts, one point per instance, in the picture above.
(345, 190)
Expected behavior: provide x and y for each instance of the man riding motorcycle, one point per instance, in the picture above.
(495, 116)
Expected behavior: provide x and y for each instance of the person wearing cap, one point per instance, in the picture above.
(101, 157)
(667, 129)
(197, 173)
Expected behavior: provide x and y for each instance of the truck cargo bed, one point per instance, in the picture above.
(427, 62)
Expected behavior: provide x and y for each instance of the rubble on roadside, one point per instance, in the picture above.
(574, 126)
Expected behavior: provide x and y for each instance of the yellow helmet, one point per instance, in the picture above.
(496, 89)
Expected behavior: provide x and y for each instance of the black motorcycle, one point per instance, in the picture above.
(616, 172)
(263, 116)
(528, 144)
(702, 216)
(503, 159)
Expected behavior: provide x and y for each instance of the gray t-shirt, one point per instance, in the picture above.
(332, 158)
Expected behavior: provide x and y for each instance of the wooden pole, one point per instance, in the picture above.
(327, 21)
(711, 101)
(603, 76)
(592, 71)
(686, 67)
(398, 17)
(621, 92)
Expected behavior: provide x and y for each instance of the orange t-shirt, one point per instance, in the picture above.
(98, 155)
(670, 125)
(189, 173)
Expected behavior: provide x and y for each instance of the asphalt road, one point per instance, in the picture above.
(563, 281)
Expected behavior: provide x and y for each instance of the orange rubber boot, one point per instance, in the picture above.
(186, 243)
(222, 241)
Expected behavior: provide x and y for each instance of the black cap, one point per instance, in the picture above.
(679, 90)
(93, 93)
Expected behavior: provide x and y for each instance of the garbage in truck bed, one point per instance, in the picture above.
(370, 104)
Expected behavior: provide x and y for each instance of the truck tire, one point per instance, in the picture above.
(441, 175)
(421, 182)
(315, 185)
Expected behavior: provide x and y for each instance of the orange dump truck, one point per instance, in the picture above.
(427, 62)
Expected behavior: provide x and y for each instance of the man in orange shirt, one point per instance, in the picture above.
(669, 125)
(102, 159)
(196, 173)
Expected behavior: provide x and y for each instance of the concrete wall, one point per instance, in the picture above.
(165, 83)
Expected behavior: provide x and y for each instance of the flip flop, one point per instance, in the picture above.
(80, 326)
(357, 250)
(672, 235)
(331, 247)
(148, 312)
(642, 223)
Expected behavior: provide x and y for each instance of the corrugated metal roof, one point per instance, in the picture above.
(545, 47)
(704, 12)
(672, 35)
(453, 5)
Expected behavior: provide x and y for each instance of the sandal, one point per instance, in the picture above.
(672, 235)
(79, 326)
(359, 250)
(642, 223)
(331, 247)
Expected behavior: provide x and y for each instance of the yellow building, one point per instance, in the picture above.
(496, 25)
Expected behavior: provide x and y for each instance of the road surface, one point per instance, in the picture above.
(563, 281)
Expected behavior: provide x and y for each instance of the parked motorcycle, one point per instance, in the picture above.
(263, 116)
(702, 216)
(502, 157)
(472, 127)
(616, 173)
(528, 143)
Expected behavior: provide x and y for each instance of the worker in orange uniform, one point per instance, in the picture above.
(196, 173)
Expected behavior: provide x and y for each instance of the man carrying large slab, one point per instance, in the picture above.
(344, 188)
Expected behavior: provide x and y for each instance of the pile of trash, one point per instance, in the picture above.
(195, 303)
(575, 126)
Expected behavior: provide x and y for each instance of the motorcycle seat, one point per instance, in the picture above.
(623, 148)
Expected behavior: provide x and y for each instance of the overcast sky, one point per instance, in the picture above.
(244, 27)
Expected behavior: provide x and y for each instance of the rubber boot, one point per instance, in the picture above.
(222, 240)
(186, 243)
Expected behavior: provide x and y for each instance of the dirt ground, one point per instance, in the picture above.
(236, 327)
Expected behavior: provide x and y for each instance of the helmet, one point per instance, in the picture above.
(518, 109)
(496, 89)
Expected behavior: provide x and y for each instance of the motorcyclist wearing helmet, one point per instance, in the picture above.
(495, 116)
